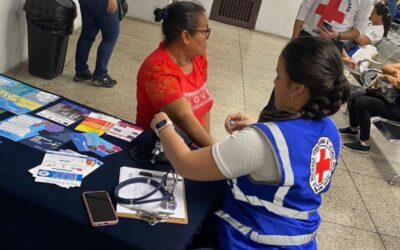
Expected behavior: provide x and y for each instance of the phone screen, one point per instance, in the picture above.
(327, 26)
(99, 205)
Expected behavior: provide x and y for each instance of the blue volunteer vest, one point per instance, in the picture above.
(262, 216)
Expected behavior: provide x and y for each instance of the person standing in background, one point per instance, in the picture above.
(101, 15)
(348, 19)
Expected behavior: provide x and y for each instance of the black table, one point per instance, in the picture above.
(44, 216)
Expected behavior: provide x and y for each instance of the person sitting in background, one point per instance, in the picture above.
(361, 107)
(279, 167)
(378, 28)
(173, 78)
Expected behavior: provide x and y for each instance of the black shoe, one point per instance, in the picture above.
(83, 77)
(356, 147)
(105, 81)
(347, 131)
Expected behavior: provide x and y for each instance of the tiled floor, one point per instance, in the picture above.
(361, 211)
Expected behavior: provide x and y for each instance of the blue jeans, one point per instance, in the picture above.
(95, 18)
(392, 5)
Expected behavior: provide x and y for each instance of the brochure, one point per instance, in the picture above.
(49, 139)
(65, 113)
(97, 122)
(92, 142)
(21, 127)
(124, 131)
(64, 168)
(20, 98)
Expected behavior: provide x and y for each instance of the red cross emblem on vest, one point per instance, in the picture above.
(330, 12)
(322, 165)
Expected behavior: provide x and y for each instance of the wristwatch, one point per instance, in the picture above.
(161, 125)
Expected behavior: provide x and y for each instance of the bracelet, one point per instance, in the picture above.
(339, 37)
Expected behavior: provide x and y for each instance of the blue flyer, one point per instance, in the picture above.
(92, 142)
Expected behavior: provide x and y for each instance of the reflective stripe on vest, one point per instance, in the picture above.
(272, 207)
(287, 167)
(280, 240)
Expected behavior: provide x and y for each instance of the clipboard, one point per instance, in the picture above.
(177, 216)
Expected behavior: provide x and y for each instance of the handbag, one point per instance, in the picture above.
(123, 8)
(147, 148)
(384, 91)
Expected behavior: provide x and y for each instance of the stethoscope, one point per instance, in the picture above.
(166, 189)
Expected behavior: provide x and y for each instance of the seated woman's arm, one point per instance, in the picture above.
(362, 40)
(348, 61)
(182, 115)
(207, 122)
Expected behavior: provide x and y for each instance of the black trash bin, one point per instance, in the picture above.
(50, 22)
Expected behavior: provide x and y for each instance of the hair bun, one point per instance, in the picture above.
(158, 15)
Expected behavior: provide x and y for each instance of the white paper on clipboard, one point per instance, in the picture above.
(179, 215)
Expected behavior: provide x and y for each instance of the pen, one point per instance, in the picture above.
(150, 175)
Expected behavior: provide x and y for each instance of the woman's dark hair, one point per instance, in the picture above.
(316, 63)
(177, 17)
(382, 10)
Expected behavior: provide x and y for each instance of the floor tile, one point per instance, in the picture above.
(382, 201)
(343, 205)
(391, 243)
(332, 237)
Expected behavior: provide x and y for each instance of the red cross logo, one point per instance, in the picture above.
(323, 165)
(330, 12)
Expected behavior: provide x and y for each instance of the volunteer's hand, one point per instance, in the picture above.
(112, 6)
(324, 33)
(238, 121)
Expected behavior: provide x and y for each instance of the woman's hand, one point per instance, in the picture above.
(112, 6)
(238, 121)
(392, 80)
(397, 75)
(350, 63)
(157, 118)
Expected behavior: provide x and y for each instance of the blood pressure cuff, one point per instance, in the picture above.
(146, 148)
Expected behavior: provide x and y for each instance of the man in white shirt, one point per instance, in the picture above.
(348, 19)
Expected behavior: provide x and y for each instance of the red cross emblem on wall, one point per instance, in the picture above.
(323, 165)
(330, 12)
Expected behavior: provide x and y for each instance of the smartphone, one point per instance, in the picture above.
(327, 26)
(99, 208)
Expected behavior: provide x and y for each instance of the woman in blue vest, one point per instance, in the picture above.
(278, 167)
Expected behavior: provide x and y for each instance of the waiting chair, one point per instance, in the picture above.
(391, 131)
